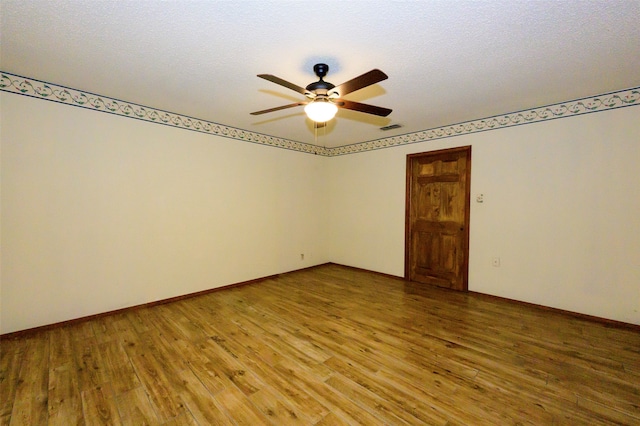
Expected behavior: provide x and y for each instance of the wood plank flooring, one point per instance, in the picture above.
(325, 346)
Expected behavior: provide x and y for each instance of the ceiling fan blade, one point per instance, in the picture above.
(366, 79)
(281, 82)
(264, 111)
(357, 106)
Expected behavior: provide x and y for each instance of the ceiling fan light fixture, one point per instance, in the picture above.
(321, 110)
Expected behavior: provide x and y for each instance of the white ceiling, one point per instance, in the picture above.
(447, 61)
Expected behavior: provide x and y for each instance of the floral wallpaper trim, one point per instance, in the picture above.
(613, 100)
(37, 89)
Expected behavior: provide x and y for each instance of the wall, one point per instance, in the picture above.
(561, 209)
(101, 212)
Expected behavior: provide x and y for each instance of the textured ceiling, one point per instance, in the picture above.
(447, 61)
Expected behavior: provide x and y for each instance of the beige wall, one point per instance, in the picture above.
(561, 209)
(102, 212)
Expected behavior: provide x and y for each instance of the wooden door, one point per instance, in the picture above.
(437, 218)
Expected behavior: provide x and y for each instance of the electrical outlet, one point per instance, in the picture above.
(496, 262)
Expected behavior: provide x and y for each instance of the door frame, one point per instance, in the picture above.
(467, 210)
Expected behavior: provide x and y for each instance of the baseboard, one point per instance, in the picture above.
(21, 333)
(28, 331)
(603, 321)
(355, 268)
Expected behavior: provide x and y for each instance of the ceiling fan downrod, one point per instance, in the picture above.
(320, 87)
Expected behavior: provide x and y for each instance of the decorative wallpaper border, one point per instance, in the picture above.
(607, 101)
(47, 91)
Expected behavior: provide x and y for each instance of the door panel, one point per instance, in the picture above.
(437, 226)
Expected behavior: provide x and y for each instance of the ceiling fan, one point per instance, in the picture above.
(325, 98)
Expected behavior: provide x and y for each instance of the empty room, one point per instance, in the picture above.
(319, 213)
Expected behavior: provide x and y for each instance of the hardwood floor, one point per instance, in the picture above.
(325, 346)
